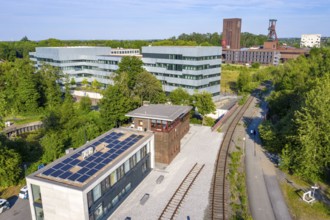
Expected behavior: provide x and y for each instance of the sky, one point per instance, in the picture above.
(156, 19)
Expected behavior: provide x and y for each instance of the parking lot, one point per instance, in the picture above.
(20, 210)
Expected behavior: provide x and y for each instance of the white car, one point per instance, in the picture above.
(4, 205)
(23, 193)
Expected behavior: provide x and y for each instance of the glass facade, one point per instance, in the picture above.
(104, 198)
(37, 202)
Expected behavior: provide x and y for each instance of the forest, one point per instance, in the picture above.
(297, 125)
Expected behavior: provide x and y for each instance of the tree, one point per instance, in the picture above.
(53, 146)
(84, 82)
(243, 82)
(313, 131)
(132, 66)
(113, 107)
(10, 163)
(96, 84)
(203, 103)
(72, 82)
(85, 104)
(149, 88)
(180, 96)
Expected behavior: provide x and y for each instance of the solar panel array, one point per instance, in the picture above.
(89, 166)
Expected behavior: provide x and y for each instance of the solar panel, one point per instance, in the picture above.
(91, 165)
(82, 178)
(83, 170)
(66, 167)
(97, 154)
(56, 173)
(99, 166)
(91, 172)
(58, 166)
(67, 160)
(111, 151)
(107, 160)
(74, 162)
(98, 160)
(83, 163)
(76, 155)
(49, 171)
(73, 177)
(65, 175)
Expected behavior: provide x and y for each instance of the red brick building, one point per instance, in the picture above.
(169, 124)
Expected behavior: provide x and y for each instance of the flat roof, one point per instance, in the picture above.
(160, 112)
(78, 170)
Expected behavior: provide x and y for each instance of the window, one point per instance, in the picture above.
(128, 187)
(90, 199)
(98, 212)
(36, 193)
(115, 201)
(120, 172)
(126, 165)
(113, 178)
(132, 161)
(140, 123)
(144, 167)
(138, 156)
(96, 192)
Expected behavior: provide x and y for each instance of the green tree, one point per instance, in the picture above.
(10, 163)
(113, 107)
(85, 104)
(180, 96)
(53, 146)
(149, 88)
(96, 84)
(244, 82)
(84, 82)
(203, 103)
(132, 66)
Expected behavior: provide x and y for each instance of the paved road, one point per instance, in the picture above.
(265, 197)
(20, 210)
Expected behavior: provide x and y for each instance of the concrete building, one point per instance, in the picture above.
(243, 56)
(310, 40)
(93, 180)
(231, 33)
(169, 124)
(91, 63)
(192, 68)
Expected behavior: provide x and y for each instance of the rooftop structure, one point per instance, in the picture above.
(192, 68)
(169, 124)
(93, 180)
(231, 34)
(310, 40)
(159, 112)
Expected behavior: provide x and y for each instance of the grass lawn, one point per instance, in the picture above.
(300, 209)
(8, 192)
(24, 119)
(228, 81)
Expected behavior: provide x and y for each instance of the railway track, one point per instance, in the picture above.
(176, 200)
(219, 206)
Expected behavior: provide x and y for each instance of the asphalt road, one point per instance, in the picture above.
(265, 196)
(20, 210)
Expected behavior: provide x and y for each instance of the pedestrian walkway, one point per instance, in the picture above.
(200, 146)
(265, 197)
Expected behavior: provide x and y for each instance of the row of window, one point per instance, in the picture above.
(187, 76)
(180, 57)
(115, 176)
(104, 207)
(193, 87)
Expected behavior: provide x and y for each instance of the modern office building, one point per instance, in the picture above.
(231, 33)
(310, 40)
(93, 180)
(91, 63)
(192, 68)
(169, 124)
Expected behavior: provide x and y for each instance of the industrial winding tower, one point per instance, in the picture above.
(231, 34)
(272, 42)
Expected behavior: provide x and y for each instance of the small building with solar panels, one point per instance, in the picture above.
(93, 180)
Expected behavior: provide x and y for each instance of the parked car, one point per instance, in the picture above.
(4, 205)
(23, 193)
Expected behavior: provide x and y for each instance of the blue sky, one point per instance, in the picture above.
(156, 19)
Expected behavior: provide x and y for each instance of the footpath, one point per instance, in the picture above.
(265, 197)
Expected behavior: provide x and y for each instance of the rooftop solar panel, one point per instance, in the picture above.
(82, 170)
(73, 177)
(82, 178)
(49, 171)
